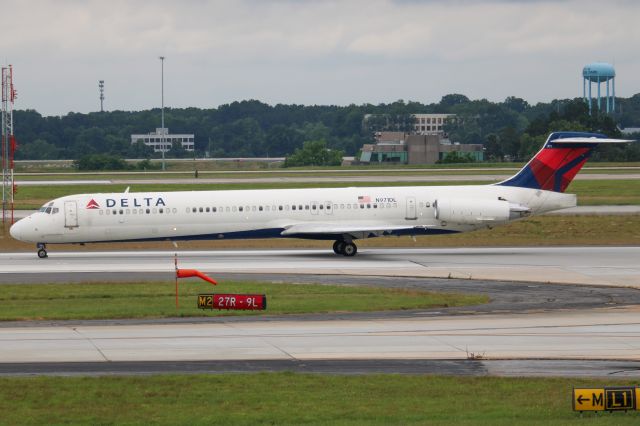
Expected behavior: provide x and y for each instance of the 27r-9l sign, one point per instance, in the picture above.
(241, 302)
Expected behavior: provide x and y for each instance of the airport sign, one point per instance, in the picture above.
(619, 398)
(243, 302)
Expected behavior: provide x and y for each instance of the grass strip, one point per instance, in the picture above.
(294, 399)
(157, 299)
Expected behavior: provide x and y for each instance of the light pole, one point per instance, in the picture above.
(162, 139)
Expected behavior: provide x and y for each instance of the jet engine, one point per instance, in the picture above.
(473, 212)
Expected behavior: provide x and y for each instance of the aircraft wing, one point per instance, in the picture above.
(344, 228)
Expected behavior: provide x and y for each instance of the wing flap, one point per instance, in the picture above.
(336, 228)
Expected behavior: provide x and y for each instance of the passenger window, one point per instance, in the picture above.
(134, 211)
(101, 212)
(362, 206)
(200, 210)
(108, 212)
(313, 207)
(321, 207)
(234, 209)
(174, 210)
(349, 206)
(227, 209)
(207, 209)
(279, 207)
(213, 209)
(240, 208)
(286, 207)
(148, 211)
(328, 206)
(155, 210)
(368, 206)
(194, 210)
(260, 208)
(395, 205)
(267, 208)
(129, 211)
(375, 206)
(115, 212)
(427, 204)
(253, 208)
(306, 207)
(388, 205)
(293, 207)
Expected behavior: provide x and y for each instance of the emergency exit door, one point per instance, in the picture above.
(411, 209)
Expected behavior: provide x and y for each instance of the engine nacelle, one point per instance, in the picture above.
(474, 212)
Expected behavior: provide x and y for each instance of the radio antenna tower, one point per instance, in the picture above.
(8, 144)
(101, 86)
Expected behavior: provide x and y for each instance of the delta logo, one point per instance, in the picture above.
(92, 204)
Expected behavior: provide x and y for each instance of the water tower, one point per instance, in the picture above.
(599, 72)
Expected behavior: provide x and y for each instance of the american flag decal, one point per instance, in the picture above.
(364, 199)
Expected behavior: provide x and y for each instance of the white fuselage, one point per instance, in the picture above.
(325, 212)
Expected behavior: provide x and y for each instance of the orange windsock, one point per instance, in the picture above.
(188, 273)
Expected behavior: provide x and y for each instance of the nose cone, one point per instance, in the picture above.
(23, 229)
(17, 230)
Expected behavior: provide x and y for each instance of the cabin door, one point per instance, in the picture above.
(70, 214)
(411, 209)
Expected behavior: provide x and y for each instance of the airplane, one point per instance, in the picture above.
(343, 215)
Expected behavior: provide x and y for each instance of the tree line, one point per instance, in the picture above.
(509, 130)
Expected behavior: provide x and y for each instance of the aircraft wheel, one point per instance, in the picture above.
(349, 249)
(338, 247)
(42, 253)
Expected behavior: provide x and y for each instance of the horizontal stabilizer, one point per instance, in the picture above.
(589, 141)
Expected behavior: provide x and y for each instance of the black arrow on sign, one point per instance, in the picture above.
(582, 399)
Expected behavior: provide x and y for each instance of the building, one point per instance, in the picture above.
(160, 136)
(429, 124)
(426, 144)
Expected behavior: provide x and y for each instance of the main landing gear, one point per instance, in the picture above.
(42, 250)
(345, 248)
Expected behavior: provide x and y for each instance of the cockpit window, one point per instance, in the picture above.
(42, 209)
(48, 211)
(55, 210)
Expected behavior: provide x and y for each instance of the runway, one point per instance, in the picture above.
(612, 334)
(570, 330)
(616, 266)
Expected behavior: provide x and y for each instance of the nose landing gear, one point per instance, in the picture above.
(345, 248)
(42, 250)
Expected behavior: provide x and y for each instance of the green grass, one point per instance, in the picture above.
(590, 192)
(157, 300)
(295, 399)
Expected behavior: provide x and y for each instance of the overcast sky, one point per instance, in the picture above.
(310, 52)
